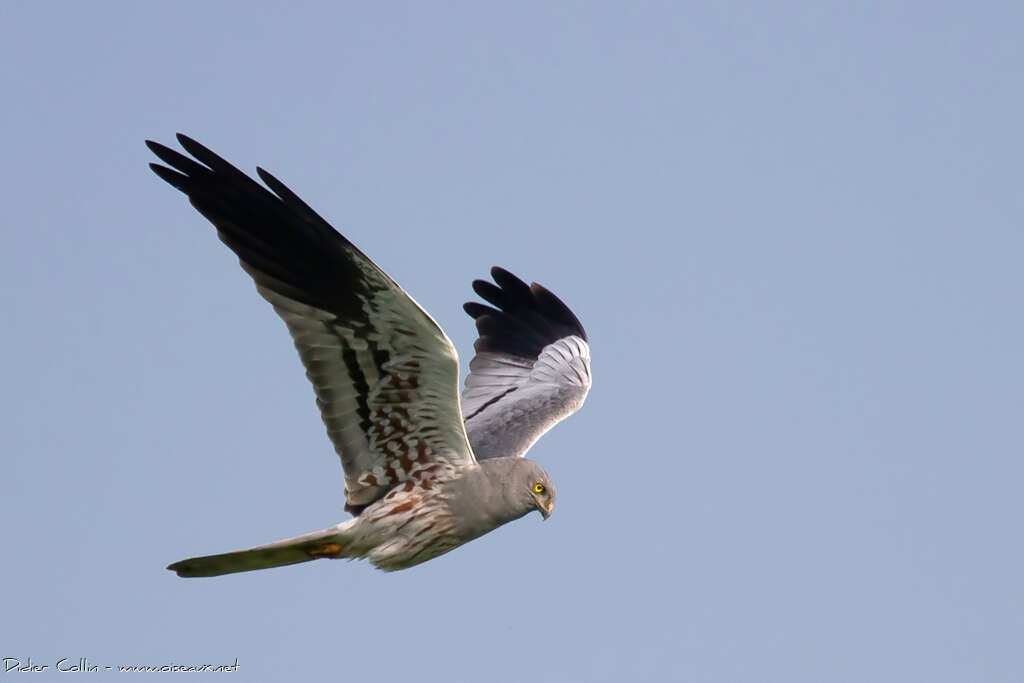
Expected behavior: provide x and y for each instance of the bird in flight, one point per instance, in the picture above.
(424, 471)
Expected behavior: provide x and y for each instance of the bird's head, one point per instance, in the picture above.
(538, 486)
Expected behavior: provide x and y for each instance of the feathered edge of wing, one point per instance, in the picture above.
(385, 374)
(531, 368)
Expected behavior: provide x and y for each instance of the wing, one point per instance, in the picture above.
(385, 374)
(531, 369)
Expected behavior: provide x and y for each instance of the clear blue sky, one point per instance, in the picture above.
(793, 232)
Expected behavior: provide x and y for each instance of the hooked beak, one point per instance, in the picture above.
(545, 508)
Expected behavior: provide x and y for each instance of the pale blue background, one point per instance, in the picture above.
(792, 230)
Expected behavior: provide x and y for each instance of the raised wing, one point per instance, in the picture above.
(385, 374)
(531, 369)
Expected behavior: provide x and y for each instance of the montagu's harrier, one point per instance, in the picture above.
(423, 474)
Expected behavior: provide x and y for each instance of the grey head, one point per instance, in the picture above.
(528, 485)
(497, 491)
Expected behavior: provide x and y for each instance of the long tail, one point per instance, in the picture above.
(325, 543)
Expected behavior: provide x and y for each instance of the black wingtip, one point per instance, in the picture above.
(475, 310)
(524, 318)
(171, 177)
(161, 151)
(557, 309)
(196, 149)
(499, 273)
(510, 283)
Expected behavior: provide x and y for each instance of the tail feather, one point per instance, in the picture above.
(325, 543)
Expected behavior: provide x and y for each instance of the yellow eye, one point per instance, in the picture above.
(538, 487)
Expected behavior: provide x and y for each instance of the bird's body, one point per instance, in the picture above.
(426, 516)
(385, 376)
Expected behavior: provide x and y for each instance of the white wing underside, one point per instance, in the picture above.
(514, 402)
(531, 369)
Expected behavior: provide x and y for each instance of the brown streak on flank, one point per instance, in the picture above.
(332, 550)
(409, 486)
(404, 507)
